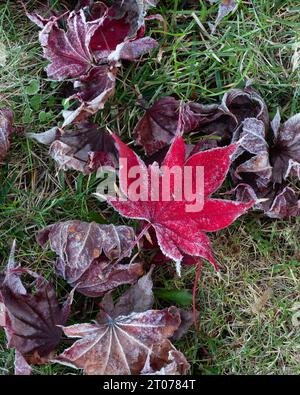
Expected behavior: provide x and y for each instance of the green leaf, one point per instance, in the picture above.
(27, 116)
(45, 116)
(33, 87)
(181, 297)
(36, 102)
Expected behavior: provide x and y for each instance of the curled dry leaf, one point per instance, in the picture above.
(22, 367)
(133, 11)
(180, 229)
(6, 130)
(132, 50)
(225, 8)
(176, 365)
(85, 148)
(225, 120)
(119, 342)
(157, 128)
(252, 155)
(88, 254)
(275, 201)
(32, 314)
(285, 152)
(94, 89)
(261, 171)
(87, 45)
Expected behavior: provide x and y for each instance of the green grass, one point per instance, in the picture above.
(246, 311)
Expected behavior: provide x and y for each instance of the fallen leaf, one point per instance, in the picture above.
(133, 11)
(125, 341)
(85, 148)
(32, 313)
(69, 51)
(93, 90)
(262, 171)
(179, 231)
(262, 300)
(285, 152)
(157, 128)
(88, 255)
(22, 367)
(176, 365)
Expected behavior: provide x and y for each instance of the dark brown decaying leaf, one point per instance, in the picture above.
(280, 201)
(6, 130)
(94, 89)
(285, 152)
(85, 148)
(157, 128)
(175, 365)
(254, 151)
(262, 171)
(126, 341)
(32, 314)
(226, 120)
(87, 255)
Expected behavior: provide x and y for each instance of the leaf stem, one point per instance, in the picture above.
(135, 242)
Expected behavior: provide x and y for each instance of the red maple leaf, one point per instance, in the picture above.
(179, 232)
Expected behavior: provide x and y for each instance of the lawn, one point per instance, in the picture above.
(246, 321)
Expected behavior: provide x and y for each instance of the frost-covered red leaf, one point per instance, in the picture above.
(69, 51)
(179, 231)
(84, 148)
(88, 254)
(32, 313)
(6, 130)
(119, 342)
